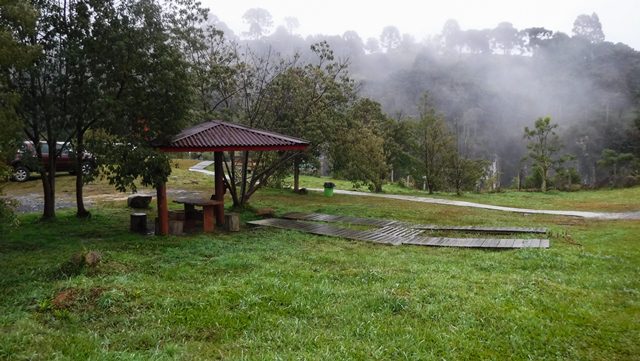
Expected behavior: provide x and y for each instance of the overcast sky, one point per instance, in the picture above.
(619, 18)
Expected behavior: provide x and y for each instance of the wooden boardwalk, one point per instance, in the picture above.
(430, 227)
(397, 234)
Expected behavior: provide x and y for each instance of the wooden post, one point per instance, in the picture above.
(208, 225)
(138, 223)
(232, 222)
(218, 158)
(296, 173)
(163, 209)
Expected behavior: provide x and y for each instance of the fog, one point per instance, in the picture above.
(490, 83)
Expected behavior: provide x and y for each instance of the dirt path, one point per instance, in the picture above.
(582, 214)
(34, 202)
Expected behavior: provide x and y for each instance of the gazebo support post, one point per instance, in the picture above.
(218, 158)
(163, 209)
(296, 173)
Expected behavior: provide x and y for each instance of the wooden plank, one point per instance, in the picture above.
(517, 243)
(384, 222)
(490, 243)
(432, 227)
(531, 243)
(478, 242)
(505, 243)
(469, 242)
(419, 241)
(398, 235)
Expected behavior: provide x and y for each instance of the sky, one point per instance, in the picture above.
(421, 18)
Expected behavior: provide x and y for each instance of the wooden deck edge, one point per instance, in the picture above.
(322, 217)
(405, 237)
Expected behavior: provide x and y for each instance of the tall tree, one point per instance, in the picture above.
(259, 20)
(434, 143)
(17, 21)
(390, 38)
(372, 45)
(364, 146)
(290, 97)
(43, 91)
(544, 145)
(588, 27)
(291, 23)
(505, 37)
(105, 65)
(452, 35)
(151, 91)
(358, 156)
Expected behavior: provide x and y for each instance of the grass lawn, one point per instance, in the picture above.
(274, 294)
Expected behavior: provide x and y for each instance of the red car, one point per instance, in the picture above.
(26, 160)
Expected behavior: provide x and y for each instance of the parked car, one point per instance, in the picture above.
(26, 160)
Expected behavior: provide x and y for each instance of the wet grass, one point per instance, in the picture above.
(605, 200)
(275, 294)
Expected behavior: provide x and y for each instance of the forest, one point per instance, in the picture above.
(489, 84)
(463, 110)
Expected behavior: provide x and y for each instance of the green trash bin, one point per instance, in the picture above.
(328, 189)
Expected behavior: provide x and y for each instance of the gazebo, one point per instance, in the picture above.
(217, 136)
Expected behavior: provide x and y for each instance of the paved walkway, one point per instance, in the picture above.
(200, 167)
(582, 214)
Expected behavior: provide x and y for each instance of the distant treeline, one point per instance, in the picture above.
(491, 83)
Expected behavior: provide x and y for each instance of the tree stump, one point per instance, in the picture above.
(265, 212)
(140, 201)
(138, 223)
(232, 222)
(176, 227)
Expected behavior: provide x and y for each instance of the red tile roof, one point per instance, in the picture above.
(222, 136)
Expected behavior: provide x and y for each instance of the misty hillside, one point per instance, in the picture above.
(491, 83)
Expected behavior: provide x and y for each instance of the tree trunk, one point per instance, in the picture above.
(81, 211)
(48, 176)
(377, 187)
(245, 171)
(543, 186)
(296, 174)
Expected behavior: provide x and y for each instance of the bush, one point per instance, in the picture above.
(8, 217)
(566, 179)
(626, 181)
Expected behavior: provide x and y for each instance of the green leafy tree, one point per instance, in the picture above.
(463, 173)
(434, 145)
(358, 156)
(43, 90)
(287, 96)
(543, 147)
(616, 161)
(364, 145)
(17, 21)
(150, 92)
(104, 65)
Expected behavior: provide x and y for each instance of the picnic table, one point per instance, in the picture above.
(208, 211)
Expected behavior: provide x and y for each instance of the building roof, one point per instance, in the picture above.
(216, 135)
